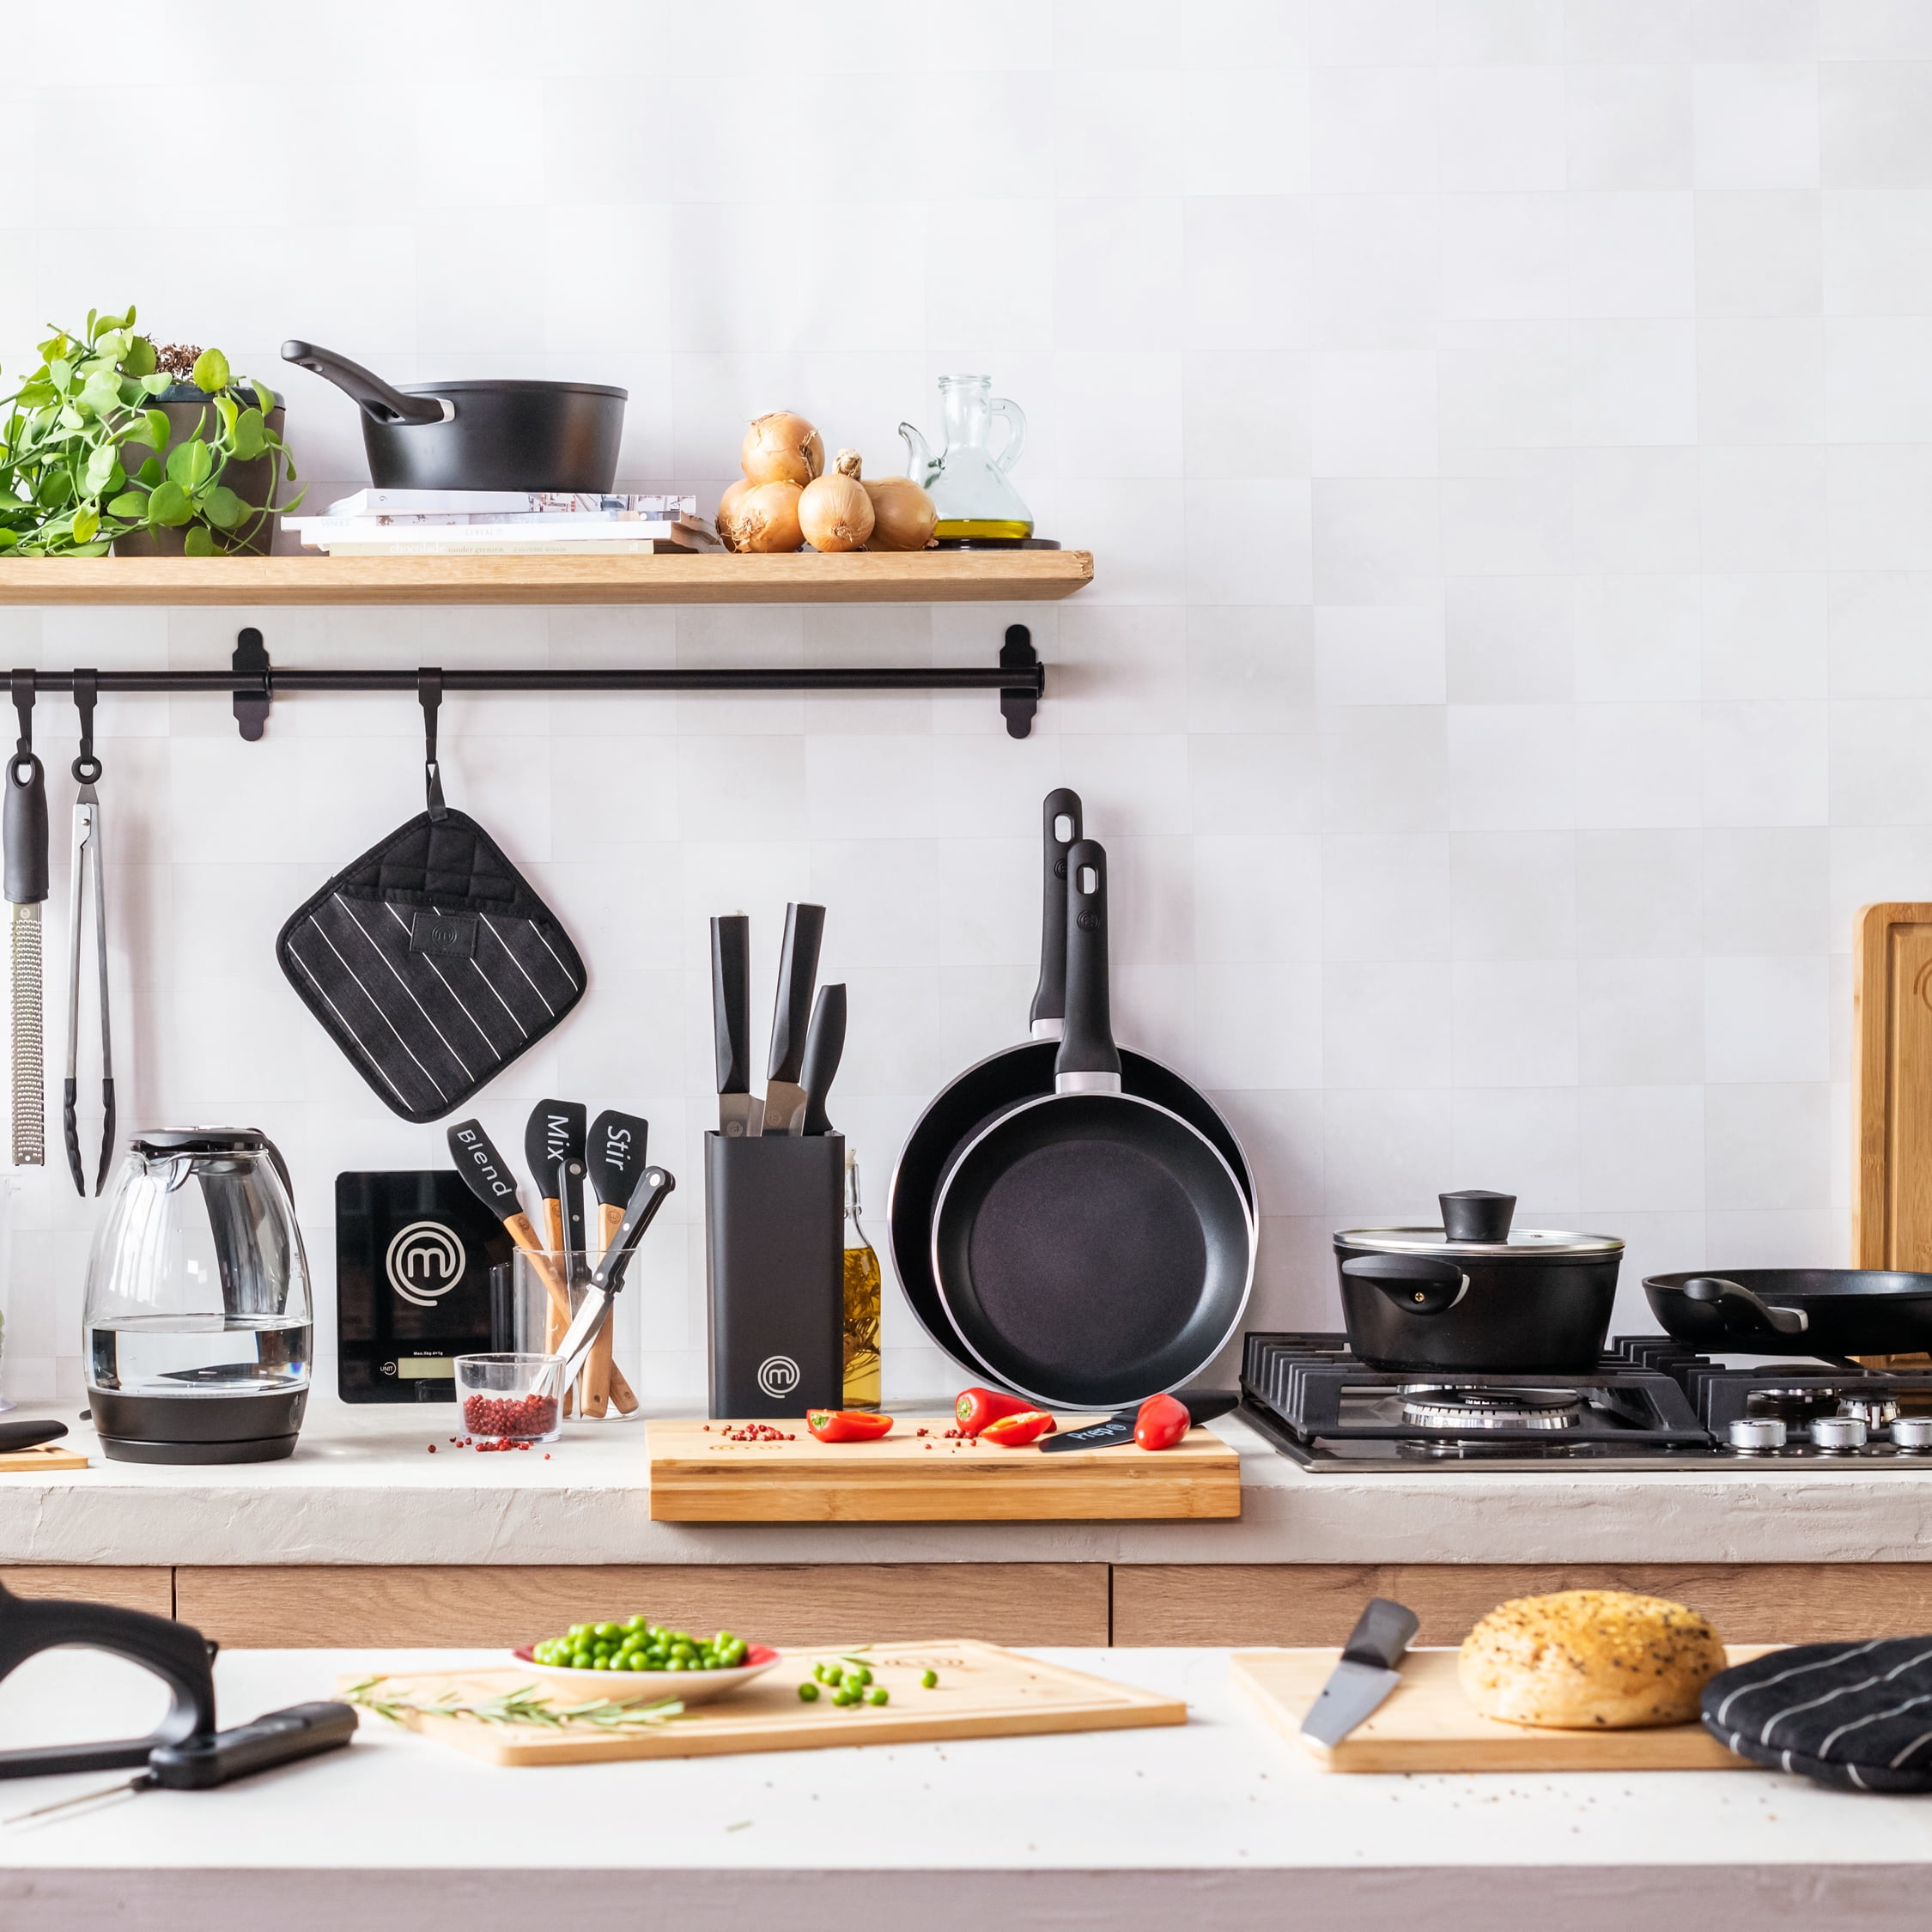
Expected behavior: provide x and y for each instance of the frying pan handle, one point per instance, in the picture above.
(1417, 1284)
(1049, 997)
(1089, 1061)
(381, 403)
(1728, 1295)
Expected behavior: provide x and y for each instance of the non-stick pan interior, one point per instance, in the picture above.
(1092, 1249)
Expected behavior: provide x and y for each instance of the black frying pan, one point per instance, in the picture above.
(1829, 1313)
(1003, 1080)
(1091, 1247)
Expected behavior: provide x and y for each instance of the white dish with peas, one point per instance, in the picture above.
(637, 1661)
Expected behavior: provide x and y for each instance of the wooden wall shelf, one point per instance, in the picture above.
(916, 577)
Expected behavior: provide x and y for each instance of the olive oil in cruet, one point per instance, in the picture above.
(861, 1301)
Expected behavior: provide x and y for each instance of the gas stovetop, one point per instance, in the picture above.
(1650, 1403)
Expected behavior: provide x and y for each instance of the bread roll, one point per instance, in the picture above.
(1589, 1659)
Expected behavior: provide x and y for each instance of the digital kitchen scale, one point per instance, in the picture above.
(414, 1252)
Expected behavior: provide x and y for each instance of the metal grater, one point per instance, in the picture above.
(29, 1073)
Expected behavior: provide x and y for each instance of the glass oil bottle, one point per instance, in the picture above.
(861, 1301)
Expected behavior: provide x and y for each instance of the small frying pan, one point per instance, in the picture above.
(1826, 1313)
(1091, 1247)
(1004, 1080)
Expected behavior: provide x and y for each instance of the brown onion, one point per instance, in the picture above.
(765, 518)
(781, 448)
(903, 515)
(834, 512)
(727, 518)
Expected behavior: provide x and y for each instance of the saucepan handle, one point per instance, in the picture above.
(381, 403)
(1417, 1284)
(1733, 1297)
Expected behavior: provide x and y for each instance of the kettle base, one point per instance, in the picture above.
(257, 1449)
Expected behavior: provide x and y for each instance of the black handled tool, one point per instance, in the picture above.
(1202, 1406)
(739, 1111)
(23, 833)
(798, 971)
(824, 1048)
(81, 895)
(654, 1187)
(1368, 1670)
(25, 1433)
(553, 1143)
(615, 1155)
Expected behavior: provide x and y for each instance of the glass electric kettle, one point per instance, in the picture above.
(198, 1319)
(967, 482)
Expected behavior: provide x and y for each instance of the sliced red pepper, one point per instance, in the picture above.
(1016, 1431)
(1162, 1423)
(848, 1425)
(976, 1408)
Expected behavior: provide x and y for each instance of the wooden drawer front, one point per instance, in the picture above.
(357, 1605)
(144, 1589)
(1318, 1603)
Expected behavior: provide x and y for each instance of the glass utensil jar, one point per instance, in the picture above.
(968, 483)
(532, 1309)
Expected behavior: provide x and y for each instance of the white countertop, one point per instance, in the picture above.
(362, 1488)
(1205, 1821)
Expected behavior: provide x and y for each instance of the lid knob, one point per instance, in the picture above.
(1476, 1214)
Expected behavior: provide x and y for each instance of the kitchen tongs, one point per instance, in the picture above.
(85, 888)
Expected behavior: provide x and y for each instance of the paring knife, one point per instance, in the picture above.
(23, 832)
(739, 1112)
(797, 970)
(1202, 1406)
(654, 1187)
(553, 1144)
(615, 1156)
(824, 1048)
(1367, 1672)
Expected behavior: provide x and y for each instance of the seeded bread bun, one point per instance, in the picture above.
(1589, 1659)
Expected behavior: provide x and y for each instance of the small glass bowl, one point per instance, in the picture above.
(497, 1396)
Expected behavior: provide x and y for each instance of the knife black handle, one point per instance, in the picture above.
(23, 830)
(280, 1737)
(731, 1000)
(1384, 1631)
(1060, 806)
(798, 972)
(825, 1048)
(29, 1434)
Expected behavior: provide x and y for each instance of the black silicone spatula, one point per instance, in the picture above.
(553, 1143)
(615, 1155)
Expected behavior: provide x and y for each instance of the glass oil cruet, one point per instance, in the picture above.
(861, 1301)
(969, 484)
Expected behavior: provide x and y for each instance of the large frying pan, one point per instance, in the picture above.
(1004, 1080)
(1091, 1247)
(1828, 1313)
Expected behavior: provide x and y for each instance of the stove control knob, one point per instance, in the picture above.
(1757, 1435)
(1839, 1431)
(1913, 1431)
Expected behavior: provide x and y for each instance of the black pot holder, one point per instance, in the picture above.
(430, 961)
(1855, 1715)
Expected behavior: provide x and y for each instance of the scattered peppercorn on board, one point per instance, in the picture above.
(705, 1471)
(42, 1460)
(1427, 1724)
(981, 1691)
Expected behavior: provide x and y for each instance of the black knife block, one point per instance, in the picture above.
(775, 1261)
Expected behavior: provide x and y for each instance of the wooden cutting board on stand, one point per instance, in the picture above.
(982, 1691)
(1891, 1091)
(1427, 1724)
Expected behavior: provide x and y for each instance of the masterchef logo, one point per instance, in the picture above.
(778, 1376)
(424, 1262)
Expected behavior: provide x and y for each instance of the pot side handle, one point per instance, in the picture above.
(381, 403)
(1417, 1284)
(1734, 1296)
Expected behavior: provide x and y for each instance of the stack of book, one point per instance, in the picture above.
(503, 523)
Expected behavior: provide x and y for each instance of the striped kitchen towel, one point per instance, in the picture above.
(1854, 1714)
(431, 963)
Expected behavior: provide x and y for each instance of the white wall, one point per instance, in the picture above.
(1504, 428)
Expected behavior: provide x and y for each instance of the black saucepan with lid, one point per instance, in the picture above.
(1476, 1295)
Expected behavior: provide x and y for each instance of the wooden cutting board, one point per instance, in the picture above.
(699, 1474)
(42, 1460)
(1892, 1085)
(1427, 1724)
(983, 1692)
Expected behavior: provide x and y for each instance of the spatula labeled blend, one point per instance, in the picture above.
(798, 971)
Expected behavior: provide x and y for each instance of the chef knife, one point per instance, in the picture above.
(824, 1048)
(739, 1113)
(1201, 1405)
(798, 968)
(615, 1156)
(1367, 1672)
(553, 1144)
(23, 832)
(654, 1186)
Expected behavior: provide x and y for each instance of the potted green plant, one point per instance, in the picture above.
(113, 445)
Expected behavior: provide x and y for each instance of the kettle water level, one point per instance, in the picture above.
(968, 483)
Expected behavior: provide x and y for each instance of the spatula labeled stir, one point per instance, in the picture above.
(654, 1186)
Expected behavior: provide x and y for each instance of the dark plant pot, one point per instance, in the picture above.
(252, 481)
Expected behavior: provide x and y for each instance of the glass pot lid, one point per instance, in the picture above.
(1476, 1224)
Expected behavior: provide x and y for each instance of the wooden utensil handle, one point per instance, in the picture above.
(598, 1370)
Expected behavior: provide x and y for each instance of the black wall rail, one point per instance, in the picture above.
(253, 684)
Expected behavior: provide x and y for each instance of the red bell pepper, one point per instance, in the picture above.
(975, 1407)
(1162, 1423)
(848, 1425)
(1016, 1431)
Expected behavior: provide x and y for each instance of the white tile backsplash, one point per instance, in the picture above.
(1504, 433)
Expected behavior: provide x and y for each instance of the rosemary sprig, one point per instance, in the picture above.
(525, 1706)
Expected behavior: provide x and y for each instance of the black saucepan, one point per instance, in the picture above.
(1829, 1313)
(1477, 1295)
(479, 435)
(1005, 1079)
(1091, 1247)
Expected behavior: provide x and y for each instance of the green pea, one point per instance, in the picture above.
(600, 1664)
(859, 1676)
(610, 1630)
(579, 1630)
(834, 1674)
(878, 1694)
(928, 1678)
(636, 1624)
(581, 1659)
(842, 1697)
(808, 1693)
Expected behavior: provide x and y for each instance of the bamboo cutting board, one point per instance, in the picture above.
(1427, 1724)
(983, 1692)
(699, 1474)
(42, 1459)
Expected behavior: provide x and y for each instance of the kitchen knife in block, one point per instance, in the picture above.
(739, 1112)
(824, 1048)
(1367, 1672)
(615, 1156)
(797, 970)
(654, 1186)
